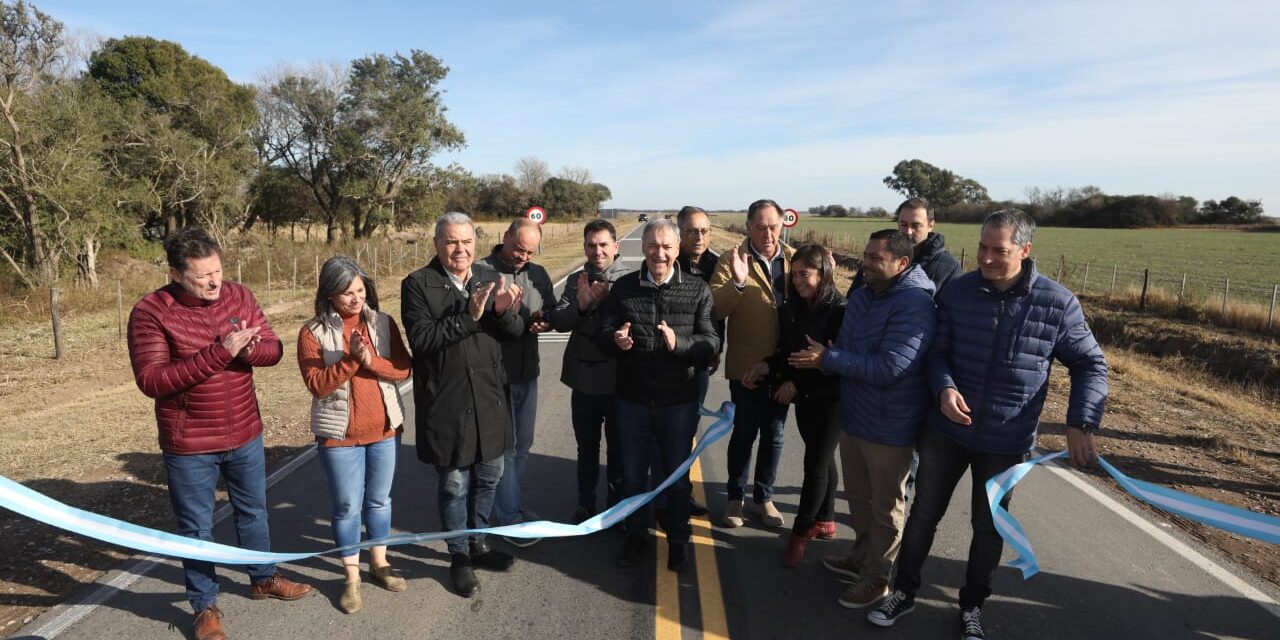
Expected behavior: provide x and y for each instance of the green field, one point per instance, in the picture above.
(1207, 256)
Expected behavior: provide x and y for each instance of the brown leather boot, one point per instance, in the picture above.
(280, 588)
(208, 624)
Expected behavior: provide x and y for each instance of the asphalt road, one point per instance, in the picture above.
(1105, 574)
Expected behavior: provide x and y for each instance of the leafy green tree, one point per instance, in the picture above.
(1232, 210)
(943, 188)
(182, 140)
(567, 198)
(394, 109)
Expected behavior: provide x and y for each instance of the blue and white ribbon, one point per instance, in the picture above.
(37, 506)
(1228, 518)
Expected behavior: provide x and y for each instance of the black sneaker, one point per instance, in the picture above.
(971, 624)
(464, 577)
(895, 606)
(697, 509)
(677, 556)
(486, 557)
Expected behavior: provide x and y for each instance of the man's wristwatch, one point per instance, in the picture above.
(1085, 427)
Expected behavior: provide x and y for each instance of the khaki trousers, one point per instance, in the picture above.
(875, 478)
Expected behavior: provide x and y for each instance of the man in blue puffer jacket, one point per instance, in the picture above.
(998, 330)
(880, 358)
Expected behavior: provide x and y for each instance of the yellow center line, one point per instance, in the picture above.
(715, 625)
(710, 597)
(666, 624)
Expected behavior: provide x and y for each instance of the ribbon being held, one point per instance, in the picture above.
(37, 506)
(1228, 518)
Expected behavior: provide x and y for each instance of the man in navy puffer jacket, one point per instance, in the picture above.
(998, 330)
(880, 358)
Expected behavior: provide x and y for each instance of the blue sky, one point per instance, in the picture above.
(718, 104)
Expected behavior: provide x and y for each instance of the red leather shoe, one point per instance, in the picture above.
(823, 530)
(795, 551)
(280, 588)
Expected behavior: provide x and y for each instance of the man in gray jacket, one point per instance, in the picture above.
(520, 358)
(587, 369)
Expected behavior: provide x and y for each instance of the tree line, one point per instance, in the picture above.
(115, 143)
(959, 199)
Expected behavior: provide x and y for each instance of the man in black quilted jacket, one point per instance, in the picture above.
(658, 321)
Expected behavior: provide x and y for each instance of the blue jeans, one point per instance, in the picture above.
(466, 499)
(360, 489)
(671, 428)
(507, 505)
(589, 412)
(942, 462)
(757, 413)
(192, 482)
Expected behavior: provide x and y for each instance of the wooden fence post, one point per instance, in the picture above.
(294, 282)
(1113, 282)
(1272, 313)
(57, 323)
(1084, 287)
(1146, 277)
(375, 263)
(1062, 266)
(268, 279)
(962, 260)
(1226, 294)
(317, 266)
(239, 279)
(1182, 291)
(119, 310)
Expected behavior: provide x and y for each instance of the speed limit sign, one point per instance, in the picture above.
(790, 218)
(536, 214)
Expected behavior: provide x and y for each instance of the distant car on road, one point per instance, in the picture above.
(670, 216)
(642, 218)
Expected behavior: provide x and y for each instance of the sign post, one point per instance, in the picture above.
(538, 215)
(789, 219)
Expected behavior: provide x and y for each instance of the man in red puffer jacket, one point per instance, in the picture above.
(193, 344)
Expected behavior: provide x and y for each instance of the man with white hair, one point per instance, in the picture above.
(658, 322)
(455, 312)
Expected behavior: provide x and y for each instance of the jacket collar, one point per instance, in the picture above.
(185, 299)
(334, 319)
(499, 265)
(1022, 287)
(644, 276)
(706, 262)
(934, 243)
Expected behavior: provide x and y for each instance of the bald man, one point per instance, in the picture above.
(520, 359)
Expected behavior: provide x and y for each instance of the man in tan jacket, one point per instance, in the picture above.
(748, 286)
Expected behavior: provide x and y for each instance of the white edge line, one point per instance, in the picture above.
(64, 616)
(61, 617)
(1177, 546)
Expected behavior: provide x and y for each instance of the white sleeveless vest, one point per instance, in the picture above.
(330, 415)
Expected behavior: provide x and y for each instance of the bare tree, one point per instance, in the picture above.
(579, 175)
(297, 129)
(30, 46)
(531, 173)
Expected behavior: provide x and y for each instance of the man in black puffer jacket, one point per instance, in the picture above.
(658, 321)
(915, 218)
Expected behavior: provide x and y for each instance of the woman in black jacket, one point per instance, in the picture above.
(813, 309)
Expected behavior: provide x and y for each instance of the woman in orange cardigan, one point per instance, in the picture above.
(351, 355)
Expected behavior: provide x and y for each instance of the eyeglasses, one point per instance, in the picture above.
(696, 232)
